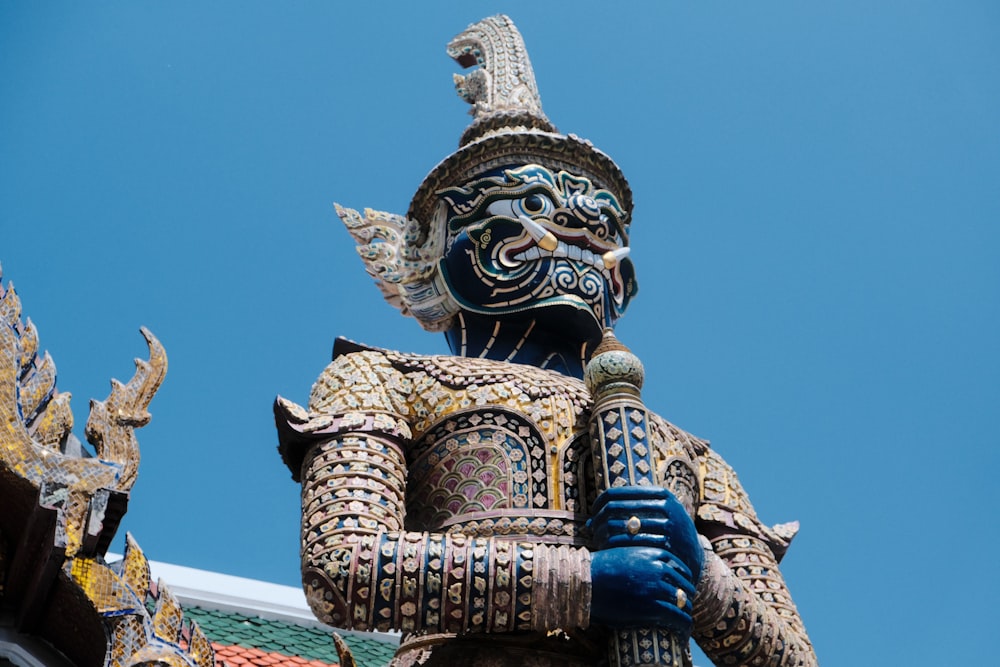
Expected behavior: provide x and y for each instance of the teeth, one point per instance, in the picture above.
(545, 239)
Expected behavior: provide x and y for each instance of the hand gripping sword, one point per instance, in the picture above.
(622, 456)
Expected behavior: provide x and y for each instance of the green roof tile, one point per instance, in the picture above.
(288, 638)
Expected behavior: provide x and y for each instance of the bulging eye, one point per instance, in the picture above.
(530, 205)
(536, 204)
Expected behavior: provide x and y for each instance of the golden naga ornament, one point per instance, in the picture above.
(61, 508)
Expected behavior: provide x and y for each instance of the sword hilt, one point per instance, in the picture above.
(622, 456)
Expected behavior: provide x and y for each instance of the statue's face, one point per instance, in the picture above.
(526, 242)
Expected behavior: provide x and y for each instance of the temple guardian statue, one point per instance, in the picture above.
(515, 503)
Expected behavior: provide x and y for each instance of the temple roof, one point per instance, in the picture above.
(245, 639)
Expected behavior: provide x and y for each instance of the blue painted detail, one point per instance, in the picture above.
(481, 283)
(528, 341)
(522, 560)
(430, 611)
(479, 580)
(385, 596)
(635, 577)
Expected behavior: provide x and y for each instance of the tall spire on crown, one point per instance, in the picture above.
(502, 92)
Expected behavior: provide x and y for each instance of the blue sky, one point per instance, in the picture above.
(815, 236)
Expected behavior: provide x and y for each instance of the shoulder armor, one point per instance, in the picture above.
(363, 380)
(463, 372)
(358, 392)
(725, 507)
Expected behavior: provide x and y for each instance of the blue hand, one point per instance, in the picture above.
(647, 559)
(646, 516)
(640, 587)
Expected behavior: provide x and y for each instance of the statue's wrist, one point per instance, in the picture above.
(561, 590)
(714, 591)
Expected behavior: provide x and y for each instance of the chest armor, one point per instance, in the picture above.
(499, 450)
(490, 471)
(493, 449)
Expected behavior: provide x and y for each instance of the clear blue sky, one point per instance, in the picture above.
(817, 195)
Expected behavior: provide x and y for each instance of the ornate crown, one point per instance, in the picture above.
(508, 124)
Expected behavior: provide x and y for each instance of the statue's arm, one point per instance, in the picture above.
(361, 567)
(743, 612)
(362, 570)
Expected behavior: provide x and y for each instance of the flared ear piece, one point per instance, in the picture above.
(404, 269)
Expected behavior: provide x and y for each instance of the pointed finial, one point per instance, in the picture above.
(613, 368)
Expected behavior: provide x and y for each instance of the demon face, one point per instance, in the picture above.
(529, 243)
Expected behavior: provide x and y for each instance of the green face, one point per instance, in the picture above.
(526, 241)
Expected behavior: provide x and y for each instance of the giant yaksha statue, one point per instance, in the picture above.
(492, 505)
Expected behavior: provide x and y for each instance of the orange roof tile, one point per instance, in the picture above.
(235, 656)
